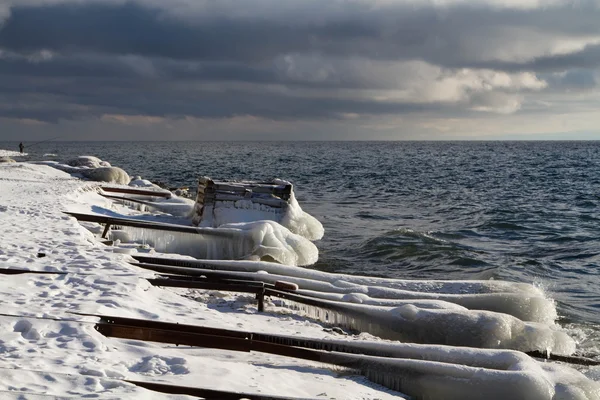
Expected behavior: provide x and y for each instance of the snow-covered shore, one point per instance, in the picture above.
(66, 357)
(49, 349)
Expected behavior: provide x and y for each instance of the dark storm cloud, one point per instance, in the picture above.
(399, 31)
(279, 60)
(48, 100)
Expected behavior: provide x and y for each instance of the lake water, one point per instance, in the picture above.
(518, 211)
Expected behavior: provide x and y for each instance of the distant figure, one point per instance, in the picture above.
(21, 147)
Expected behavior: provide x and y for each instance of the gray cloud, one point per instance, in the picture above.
(63, 59)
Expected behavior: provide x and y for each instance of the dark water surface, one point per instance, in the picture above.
(519, 211)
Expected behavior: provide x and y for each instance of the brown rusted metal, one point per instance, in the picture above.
(257, 288)
(121, 198)
(207, 394)
(140, 192)
(18, 271)
(316, 344)
(179, 337)
(136, 223)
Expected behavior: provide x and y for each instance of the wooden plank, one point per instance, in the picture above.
(280, 190)
(140, 192)
(273, 202)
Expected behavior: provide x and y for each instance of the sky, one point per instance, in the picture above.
(299, 69)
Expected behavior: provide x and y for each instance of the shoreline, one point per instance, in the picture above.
(100, 281)
(44, 336)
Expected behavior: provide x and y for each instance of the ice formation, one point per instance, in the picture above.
(259, 239)
(301, 222)
(445, 372)
(419, 321)
(523, 301)
(106, 174)
(88, 162)
(470, 328)
(137, 181)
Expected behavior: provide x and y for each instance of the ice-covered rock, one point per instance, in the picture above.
(106, 174)
(88, 162)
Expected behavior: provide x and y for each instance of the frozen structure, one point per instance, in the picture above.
(220, 203)
(250, 240)
(482, 314)
(521, 300)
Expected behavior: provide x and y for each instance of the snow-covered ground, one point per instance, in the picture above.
(47, 349)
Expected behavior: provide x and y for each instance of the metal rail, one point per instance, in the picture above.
(136, 223)
(140, 192)
(18, 271)
(207, 394)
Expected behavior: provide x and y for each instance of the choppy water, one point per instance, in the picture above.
(520, 211)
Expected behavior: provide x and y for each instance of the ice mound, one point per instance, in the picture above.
(106, 174)
(6, 159)
(87, 162)
(139, 182)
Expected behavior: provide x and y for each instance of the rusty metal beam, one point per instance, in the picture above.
(136, 223)
(140, 192)
(258, 288)
(17, 271)
(179, 337)
(207, 394)
(316, 344)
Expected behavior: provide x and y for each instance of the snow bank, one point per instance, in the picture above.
(91, 168)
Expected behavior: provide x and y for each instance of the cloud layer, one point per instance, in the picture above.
(328, 64)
